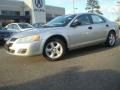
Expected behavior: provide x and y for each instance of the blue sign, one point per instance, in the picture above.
(39, 3)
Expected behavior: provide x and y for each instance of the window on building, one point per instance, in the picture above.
(3, 13)
(11, 13)
(18, 13)
(56, 15)
(27, 13)
(49, 17)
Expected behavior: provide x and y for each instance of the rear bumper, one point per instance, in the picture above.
(117, 34)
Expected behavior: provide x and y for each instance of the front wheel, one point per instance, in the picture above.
(54, 49)
(111, 39)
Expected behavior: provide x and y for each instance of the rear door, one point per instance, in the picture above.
(100, 28)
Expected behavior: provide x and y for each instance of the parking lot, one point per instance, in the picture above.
(91, 68)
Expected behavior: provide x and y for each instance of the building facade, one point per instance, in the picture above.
(31, 11)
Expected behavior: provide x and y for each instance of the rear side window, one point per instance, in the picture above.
(97, 19)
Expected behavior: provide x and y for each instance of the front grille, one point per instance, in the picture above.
(13, 39)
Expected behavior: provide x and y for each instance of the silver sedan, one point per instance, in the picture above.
(64, 33)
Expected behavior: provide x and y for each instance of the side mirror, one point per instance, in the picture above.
(76, 23)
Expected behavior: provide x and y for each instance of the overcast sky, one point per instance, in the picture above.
(108, 7)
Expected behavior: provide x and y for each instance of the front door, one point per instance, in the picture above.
(81, 33)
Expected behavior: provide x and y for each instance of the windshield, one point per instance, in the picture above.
(25, 25)
(60, 21)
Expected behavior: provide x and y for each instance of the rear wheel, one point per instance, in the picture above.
(111, 39)
(54, 49)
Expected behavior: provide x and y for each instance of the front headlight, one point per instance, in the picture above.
(29, 39)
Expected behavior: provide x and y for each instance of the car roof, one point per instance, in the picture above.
(89, 13)
(77, 14)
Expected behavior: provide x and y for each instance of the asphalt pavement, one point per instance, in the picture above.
(92, 68)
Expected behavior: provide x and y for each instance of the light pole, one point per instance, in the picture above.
(74, 6)
(75, 10)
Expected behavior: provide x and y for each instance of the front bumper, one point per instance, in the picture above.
(24, 49)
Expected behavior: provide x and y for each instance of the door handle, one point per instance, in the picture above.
(107, 25)
(90, 28)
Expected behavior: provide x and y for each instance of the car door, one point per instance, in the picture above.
(81, 34)
(100, 28)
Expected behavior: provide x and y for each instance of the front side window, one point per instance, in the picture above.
(97, 19)
(83, 20)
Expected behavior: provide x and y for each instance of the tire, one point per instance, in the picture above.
(111, 39)
(54, 49)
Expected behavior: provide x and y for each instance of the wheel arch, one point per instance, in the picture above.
(61, 37)
(112, 30)
(107, 40)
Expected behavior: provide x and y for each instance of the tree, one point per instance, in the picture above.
(93, 6)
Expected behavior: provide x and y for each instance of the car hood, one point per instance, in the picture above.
(35, 31)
